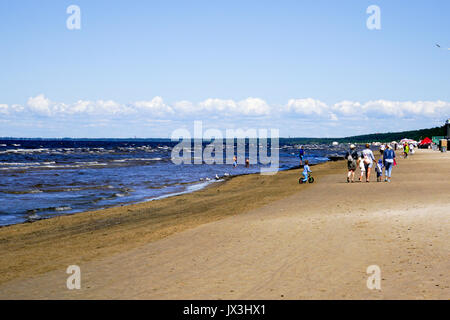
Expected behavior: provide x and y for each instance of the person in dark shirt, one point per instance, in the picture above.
(301, 154)
(389, 161)
(351, 156)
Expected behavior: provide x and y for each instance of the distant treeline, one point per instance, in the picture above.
(375, 137)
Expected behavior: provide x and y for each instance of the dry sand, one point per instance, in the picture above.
(253, 237)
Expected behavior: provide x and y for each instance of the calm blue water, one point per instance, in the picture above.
(40, 179)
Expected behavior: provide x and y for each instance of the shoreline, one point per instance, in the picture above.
(205, 184)
(153, 220)
(169, 195)
(253, 237)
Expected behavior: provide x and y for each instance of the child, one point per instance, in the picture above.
(363, 169)
(379, 169)
(306, 170)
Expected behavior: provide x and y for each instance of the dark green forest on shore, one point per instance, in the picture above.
(375, 137)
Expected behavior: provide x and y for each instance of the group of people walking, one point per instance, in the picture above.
(366, 161)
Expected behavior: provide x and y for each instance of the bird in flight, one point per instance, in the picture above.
(437, 45)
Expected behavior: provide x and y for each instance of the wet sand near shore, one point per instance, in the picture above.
(253, 237)
(30, 249)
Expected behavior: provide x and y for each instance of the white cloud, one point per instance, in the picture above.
(254, 106)
(218, 105)
(110, 107)
(16, 108)
(333, 117)
(249, 106)
(347, 107)
(80, 106)
(186, 107)
(307, 106)
(397, 109)
(4, 109)
(407, 108)
(157, 108)
(39, 104)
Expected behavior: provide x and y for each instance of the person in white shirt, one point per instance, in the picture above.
(368, 159)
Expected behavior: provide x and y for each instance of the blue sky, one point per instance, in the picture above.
(146, 68)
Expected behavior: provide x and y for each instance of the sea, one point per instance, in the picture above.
(40, 179)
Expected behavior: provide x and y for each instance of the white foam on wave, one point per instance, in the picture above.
(19, 163)
(34, 164)
(14, 168)
(63, 208)
(60, 166)
(46, 165)
(33, 217)
(137, 159)
(26, 150)
(189, 189)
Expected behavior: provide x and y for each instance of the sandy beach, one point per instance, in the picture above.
(252, 237)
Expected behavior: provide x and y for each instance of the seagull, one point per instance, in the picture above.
(437, 45)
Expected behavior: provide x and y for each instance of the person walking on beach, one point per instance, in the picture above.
(301, 153)
(351, 156)
(362, 168)
(379, 170)
(368, 159)
(406, 150)
(388, 159)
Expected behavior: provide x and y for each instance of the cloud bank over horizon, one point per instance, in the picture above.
(157, 118)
